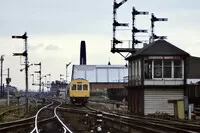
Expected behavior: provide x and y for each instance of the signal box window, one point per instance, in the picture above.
(177, 69)
(73, 87)
(157, 68)
(79, 87)
(85, 87)
(148, 69)
(163, 69)
(167, 69)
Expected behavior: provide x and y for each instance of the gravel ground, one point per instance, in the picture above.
(82, 123)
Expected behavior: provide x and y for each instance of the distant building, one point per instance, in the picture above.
(105, 80)
(12, 90)
(58, 88)
(100, 73)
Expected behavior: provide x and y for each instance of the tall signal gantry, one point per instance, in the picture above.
(153, 36)
(134, 30)
(25, 54)
(117, 24)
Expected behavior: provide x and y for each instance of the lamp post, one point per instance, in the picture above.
(25, 54)
(2, 59)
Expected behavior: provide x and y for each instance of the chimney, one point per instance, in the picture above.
(83, 53)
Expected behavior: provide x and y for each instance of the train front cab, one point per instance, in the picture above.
(79, 91)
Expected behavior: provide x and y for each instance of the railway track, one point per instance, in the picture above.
(47, 120)
(46, 117)
(19, 124)
(55, 124)
(153, 124)
(142, 124)
(16, 124)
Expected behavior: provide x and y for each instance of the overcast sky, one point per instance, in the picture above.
(56, 27)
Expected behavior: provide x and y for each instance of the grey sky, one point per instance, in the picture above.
(56, 28)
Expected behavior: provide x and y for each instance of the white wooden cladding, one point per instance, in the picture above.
(156, 100)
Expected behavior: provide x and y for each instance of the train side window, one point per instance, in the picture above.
(85, 87)
(79, 87)
(73, 87)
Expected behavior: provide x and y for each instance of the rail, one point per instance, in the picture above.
(64, 126)
(36, 116)
(136, 121)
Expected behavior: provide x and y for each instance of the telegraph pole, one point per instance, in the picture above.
(40, 71)
(2, 59)
(25, 54)
(26, 72)
(66, 80)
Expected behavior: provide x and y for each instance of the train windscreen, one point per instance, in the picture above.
(85, 87)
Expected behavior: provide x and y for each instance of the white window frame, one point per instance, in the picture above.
(172, 71)
(182, 63)
(153, 71)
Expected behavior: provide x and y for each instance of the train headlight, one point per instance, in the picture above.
(99, 129)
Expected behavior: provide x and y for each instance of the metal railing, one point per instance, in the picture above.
(134, 80)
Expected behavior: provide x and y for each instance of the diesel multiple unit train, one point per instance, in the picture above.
(79, 91)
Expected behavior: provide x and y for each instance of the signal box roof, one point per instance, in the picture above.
(159, 48)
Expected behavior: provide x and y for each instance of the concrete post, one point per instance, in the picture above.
(189, 112)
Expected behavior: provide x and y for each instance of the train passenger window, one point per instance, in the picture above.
(79, 87)
(73, 87)
(85, 87)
